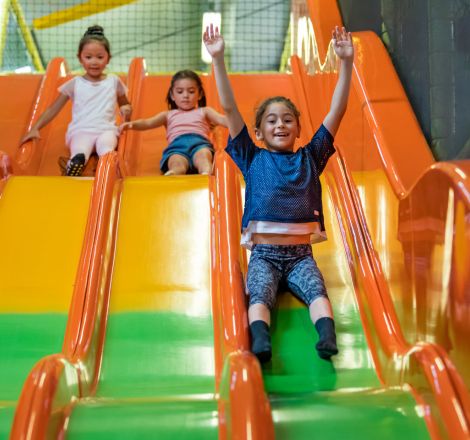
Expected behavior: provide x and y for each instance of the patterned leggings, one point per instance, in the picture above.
(270, 265)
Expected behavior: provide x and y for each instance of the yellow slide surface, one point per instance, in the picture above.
(42, 223)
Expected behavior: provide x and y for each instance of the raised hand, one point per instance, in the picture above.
(213, 41)
(342, 43)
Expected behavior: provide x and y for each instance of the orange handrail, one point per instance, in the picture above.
(46, 399)
(244, 409)
(27, 159)
(84, 334)
(127, 152)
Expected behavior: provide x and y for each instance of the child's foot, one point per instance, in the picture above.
(326, 345)
(260, 341)
(169, 173)
(76, 165)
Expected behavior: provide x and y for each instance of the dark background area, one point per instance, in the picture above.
(429, 43)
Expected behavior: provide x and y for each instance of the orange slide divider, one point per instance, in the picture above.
(244, 409)
(56, 381)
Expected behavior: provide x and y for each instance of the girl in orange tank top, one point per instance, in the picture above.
(188, 123)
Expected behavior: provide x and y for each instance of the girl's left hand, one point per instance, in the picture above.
(213, 41)
(342, 43)
(126, 111)
(124, 126)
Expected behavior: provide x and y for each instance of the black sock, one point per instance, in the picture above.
(260, 341)
(326, 345)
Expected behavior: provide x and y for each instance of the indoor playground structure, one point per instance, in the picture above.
(122, 302)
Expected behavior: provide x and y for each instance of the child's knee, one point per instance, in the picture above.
(264, 296)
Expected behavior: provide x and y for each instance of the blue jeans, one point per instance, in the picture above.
(291, 265)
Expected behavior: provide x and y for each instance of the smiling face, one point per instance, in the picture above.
(279, 128)
(94, 58)
(185, 93)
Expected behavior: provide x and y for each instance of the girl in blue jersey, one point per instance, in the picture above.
(283, 209)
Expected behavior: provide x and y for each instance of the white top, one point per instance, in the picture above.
(94, 104)
(265, 227)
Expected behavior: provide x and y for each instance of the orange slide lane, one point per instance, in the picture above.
(244, 410)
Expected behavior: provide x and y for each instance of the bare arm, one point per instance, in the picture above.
(214, 117)
(146, 124)
(344, 48)
(49, 114)
(215, 46)
(124, 107)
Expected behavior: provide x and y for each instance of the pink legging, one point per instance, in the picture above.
(85, 143)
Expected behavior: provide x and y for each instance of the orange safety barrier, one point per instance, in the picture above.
(244, 409)
(27, 161)
(127, 148)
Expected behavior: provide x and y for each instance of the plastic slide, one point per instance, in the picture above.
(174, 360)
(42, 223)
(309, 395)
(157, 376)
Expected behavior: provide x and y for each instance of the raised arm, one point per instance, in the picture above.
(215, 46)
(49, 114)
(145, 124)
(343, 46)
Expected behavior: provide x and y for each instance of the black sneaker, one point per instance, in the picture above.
(75, 165)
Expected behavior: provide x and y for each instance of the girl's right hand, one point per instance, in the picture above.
(32, 134)
(213, 41)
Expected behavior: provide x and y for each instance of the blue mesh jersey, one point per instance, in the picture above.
(282, 186)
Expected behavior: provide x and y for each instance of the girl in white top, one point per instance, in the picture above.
(94, 96)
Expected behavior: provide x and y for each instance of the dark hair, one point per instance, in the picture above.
(94, 33)
(267, 102)
(183, 74)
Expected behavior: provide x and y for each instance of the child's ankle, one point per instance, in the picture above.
(326, 345)
(260, 341)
